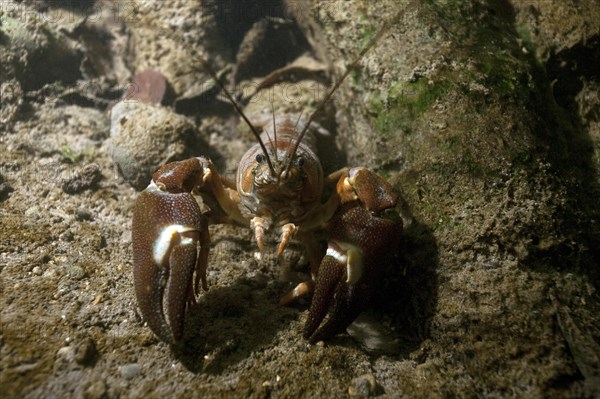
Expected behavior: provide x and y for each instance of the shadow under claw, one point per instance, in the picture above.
(408, 295)
(229, 323)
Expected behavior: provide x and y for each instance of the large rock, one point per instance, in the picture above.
(144, 137)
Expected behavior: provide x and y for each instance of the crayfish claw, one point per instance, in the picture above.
(167, 230)
(350, 271)
(202, 263)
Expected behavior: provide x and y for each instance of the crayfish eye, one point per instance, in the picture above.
(260, 158)
(300, 161)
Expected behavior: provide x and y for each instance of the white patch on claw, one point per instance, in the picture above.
(335, 254)
(152, 186)
(162, 246)
(349, 254)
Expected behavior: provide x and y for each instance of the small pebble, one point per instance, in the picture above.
(144, 137)
(34, 210)
(96, 390)
(83, 214)
(5, 189)
(76, 272)
(49, 273)
(373, 335)
(66, 354)
(130, 371)
(66, 236)
(364, 386)
(37, 271)
(86, 352)
(98, 299)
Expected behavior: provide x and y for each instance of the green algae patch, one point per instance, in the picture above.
(404, 103)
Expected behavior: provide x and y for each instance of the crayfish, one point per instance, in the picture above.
(279, 185)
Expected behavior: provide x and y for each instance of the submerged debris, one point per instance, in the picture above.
(82, 179)
(364, 386)
(149, 86)
(585, 351)
(373, 335)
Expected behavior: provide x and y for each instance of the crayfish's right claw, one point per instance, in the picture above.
(167, 230)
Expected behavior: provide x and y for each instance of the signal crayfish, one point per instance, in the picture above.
(279, 185)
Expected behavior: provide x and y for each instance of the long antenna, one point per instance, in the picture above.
(206, 66)
(349, 69)
(274, 131)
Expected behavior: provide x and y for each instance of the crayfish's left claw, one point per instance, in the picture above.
(335, 296)
(350, 271)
